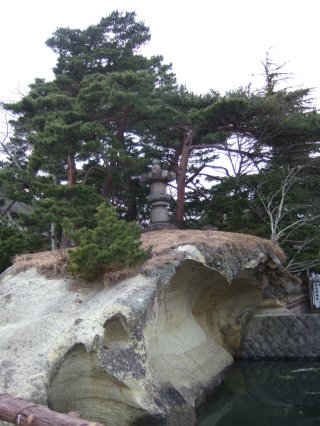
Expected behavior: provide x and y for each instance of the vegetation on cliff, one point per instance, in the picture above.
(112, 244)
(86, 136)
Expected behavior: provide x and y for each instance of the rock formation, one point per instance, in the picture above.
(146, 350)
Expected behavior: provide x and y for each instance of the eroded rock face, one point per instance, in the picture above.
(82, 385)
(143, 352)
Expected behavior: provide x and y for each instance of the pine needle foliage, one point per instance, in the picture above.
(13, 241)
(111, 245)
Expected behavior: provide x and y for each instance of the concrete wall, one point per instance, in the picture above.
(281, 336)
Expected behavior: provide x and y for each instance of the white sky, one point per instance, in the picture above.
(216, 44)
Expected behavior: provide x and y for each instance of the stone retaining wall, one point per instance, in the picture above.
(281, 336)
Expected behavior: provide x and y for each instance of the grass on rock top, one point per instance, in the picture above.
(163, 244)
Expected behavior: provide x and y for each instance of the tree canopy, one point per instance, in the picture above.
(85, 137)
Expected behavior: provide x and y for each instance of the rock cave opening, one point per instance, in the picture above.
(197, 326)
(81, 385)
(116, 332)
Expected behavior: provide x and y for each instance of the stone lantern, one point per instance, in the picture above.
(159, 198)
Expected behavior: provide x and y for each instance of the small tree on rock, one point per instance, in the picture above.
(112, 244)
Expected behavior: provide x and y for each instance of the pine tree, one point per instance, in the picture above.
(113, 243)
(94, 111)
(14, 241)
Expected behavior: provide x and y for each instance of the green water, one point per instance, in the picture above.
(265, 393)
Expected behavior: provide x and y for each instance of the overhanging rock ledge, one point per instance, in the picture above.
(150, 348)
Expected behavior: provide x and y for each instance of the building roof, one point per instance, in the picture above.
(15, 207)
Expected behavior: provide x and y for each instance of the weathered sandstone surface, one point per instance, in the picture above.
(146, 350)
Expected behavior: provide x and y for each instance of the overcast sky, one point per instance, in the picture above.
(212, 44)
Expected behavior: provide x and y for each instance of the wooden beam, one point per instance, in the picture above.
(23, 413)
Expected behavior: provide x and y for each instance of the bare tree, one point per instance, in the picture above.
(285, 218)
(242, 155)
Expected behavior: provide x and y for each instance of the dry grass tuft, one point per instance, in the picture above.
(165, 240)
(51, 263)
(162, 243)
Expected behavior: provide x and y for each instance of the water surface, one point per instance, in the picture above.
(265, 393)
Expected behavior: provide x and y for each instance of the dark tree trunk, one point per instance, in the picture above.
(181, 176)
(132, 210)
(20, 412)
(108, 183)
(72, 171)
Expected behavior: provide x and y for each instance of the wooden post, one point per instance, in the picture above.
(23, 413)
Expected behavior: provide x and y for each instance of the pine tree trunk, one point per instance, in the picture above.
(181, 177)
(132, 210)
(53, 236)
(108, 183)
(72, 171)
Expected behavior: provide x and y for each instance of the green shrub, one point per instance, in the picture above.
(112, 244)
(14, 241)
